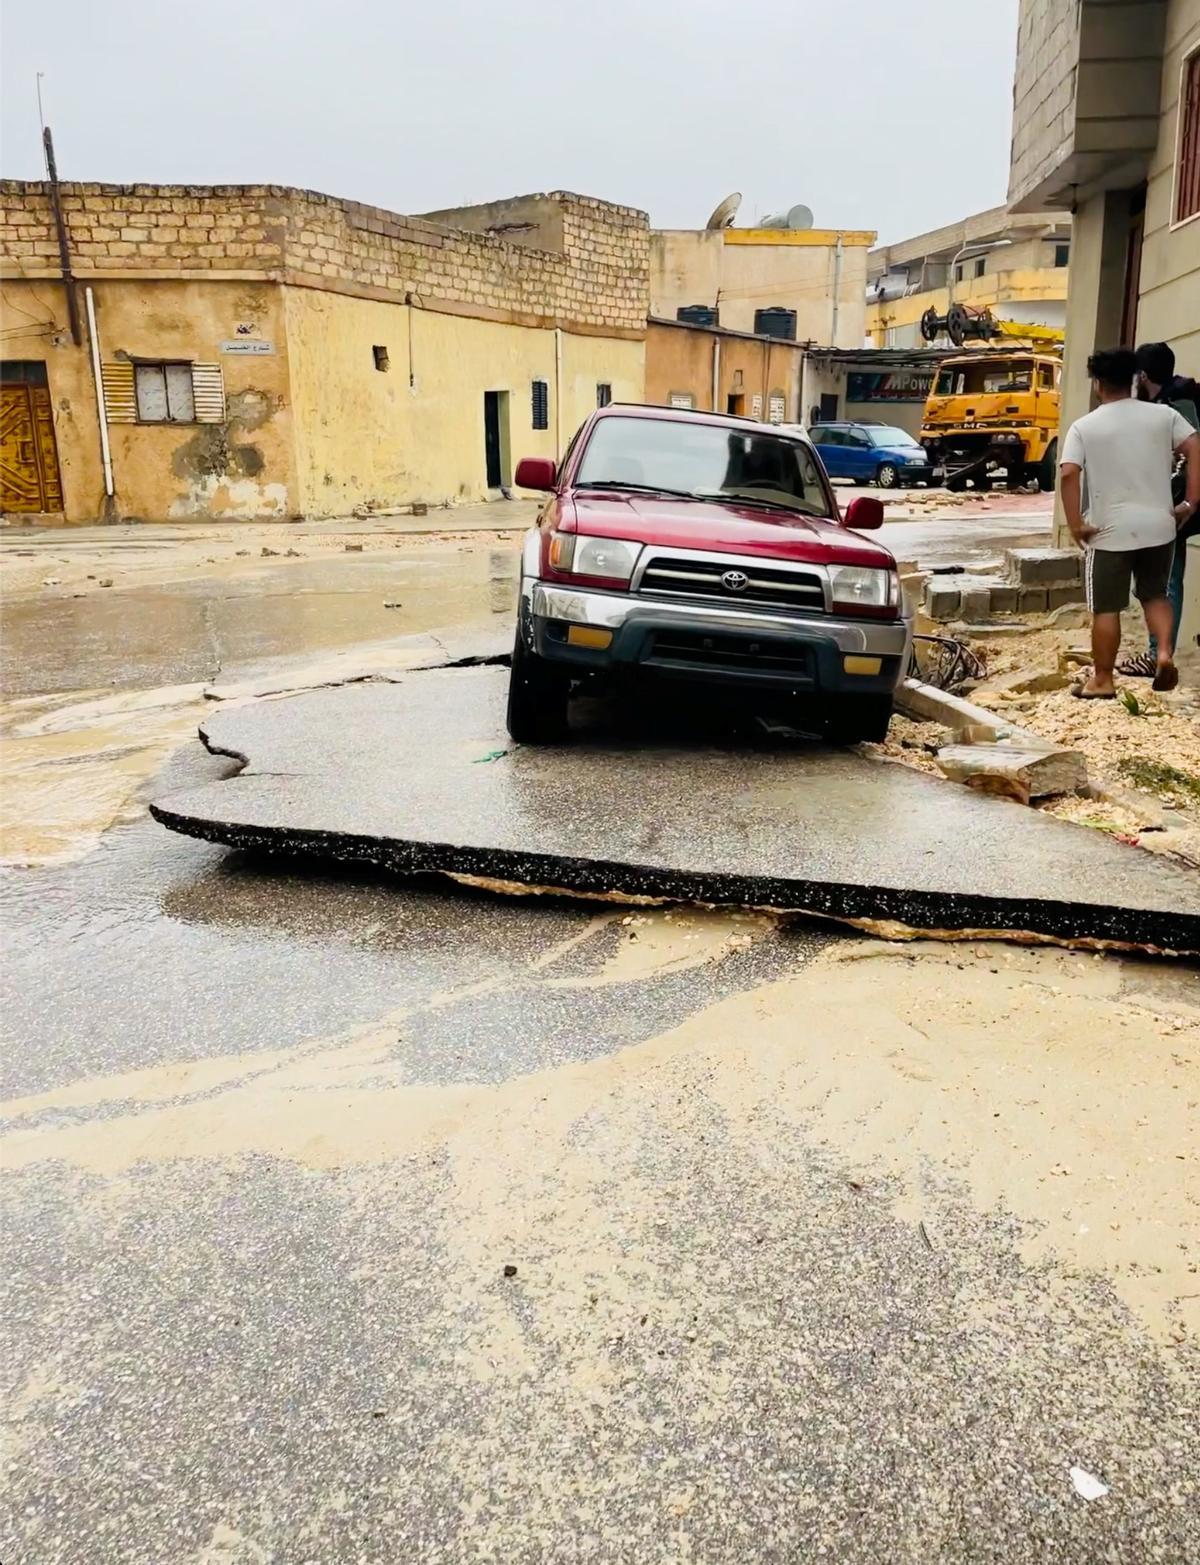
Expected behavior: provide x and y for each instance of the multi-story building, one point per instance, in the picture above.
(1015, 264)
(255, 351)
(1106, 126)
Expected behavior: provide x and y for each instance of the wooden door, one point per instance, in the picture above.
(29, 477)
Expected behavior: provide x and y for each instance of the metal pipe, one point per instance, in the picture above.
(64, 246)
(716, 385)
(93, 337)
(558, 364)
(837, 288)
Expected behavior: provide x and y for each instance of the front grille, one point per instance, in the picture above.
(733, 653)
(782, 586)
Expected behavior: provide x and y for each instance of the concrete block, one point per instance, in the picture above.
(1041, 567)
(1014, 770)
(942, 600)
(1003, 600)
(1057, 597)
(1032, 600)
(975, 601)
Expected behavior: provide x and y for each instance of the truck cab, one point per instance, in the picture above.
(991, 411)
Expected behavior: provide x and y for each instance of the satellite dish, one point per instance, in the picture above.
(725, 213)
(773, 220)
(800, 216)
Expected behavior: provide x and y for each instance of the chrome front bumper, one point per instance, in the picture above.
(613, 610)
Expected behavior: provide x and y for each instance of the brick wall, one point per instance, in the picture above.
(1043, 91)
(599, 278)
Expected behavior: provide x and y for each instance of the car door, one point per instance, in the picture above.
(858, 456)
(828, 442)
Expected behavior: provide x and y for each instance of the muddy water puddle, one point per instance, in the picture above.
(138, 637)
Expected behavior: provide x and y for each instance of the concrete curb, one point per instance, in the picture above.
(916, 699)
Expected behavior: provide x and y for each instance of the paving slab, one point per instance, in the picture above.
(418, 775)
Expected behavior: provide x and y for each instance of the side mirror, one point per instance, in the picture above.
(539, 472)
(863, 515)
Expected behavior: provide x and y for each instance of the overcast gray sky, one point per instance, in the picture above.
(884, 114)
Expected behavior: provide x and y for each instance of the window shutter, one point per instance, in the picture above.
(120, 403)
(541, 405)
(208, 393)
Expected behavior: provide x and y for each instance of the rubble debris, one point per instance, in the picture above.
(1087, 1485)
(1014, 770)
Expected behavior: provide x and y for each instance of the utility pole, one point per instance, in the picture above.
(64, 247)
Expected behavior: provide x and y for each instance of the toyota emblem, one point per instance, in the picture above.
(735, 581)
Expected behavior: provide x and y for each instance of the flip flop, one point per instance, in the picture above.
(1081, 694)
(1166, 678)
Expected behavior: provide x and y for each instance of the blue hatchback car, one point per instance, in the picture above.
(871, 454)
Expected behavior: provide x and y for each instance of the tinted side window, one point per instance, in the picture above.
(853, 438)
(832, 437)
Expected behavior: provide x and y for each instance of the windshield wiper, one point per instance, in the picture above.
(801, 508)
(619, 483)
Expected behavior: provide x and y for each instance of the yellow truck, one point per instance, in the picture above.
(991, 411)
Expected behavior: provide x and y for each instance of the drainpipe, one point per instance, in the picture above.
(716, 386)
(558, 375)
(105, 450)
(837, 289)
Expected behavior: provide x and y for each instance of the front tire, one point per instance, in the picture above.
(858, 719)
(537, 697)
(888, 476)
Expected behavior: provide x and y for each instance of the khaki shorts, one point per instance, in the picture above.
(1107, 574)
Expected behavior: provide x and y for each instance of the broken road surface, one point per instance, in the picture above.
(388, 774)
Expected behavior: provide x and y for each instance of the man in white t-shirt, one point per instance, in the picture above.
(1116, 490)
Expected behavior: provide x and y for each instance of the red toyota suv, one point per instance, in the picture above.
(708, 548)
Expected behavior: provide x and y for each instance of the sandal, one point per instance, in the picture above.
(1081, 693)
(1166, 678)
(1143, 666)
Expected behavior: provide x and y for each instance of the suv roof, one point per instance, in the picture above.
(693, 416)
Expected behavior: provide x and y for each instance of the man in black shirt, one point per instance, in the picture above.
(1158, 382)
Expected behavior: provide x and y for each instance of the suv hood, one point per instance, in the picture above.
(725, 527)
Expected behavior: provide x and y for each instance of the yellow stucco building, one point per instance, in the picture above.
(255, 351)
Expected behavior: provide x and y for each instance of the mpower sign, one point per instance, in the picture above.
(888, 385)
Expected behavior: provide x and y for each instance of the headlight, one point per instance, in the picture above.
(854, 585)
(613, 559)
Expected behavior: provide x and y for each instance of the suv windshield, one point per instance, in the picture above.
(887, 436)
(704, 461)
(956, 379)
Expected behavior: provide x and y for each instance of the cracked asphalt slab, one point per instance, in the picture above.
(417, 774)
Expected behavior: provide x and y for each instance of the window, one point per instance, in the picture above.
(704, 460)
(981, 266)
(958, 273)
(380, 355)
(541, 405)
(603, 393)
(829, 437)
(1187, 166)
(164, 394)
(1062, 255)
(1045, 377)
(853, 438)
(887, 435)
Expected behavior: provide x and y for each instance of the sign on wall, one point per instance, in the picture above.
(888, 385)
(777, 407)
(247, 345)
(682, 399)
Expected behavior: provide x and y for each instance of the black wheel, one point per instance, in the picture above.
(855, 719)
(537, 697)
(1046, 471)
(888, 476)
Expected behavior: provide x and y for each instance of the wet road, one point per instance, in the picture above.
(355, 1220)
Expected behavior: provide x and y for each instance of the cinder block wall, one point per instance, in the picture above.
(598, 279)
(1043, 90)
